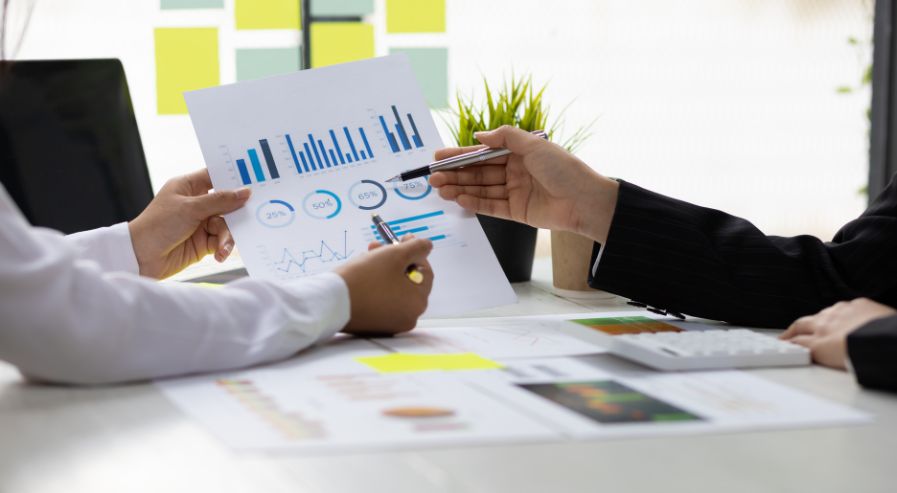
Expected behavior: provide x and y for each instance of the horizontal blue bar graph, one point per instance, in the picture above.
(395, 223)
(412, 231)
(416, 218)
(396, 226)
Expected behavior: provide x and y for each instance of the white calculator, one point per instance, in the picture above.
(677, 345)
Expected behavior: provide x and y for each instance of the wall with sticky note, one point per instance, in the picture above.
(267, 14)
(415, 16)
(430, 66)
(191, 4)
(255, 63)
(171, 46)
(340, 42)
(186, 60)
(630, 67)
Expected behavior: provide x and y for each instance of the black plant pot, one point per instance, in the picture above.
(514, 245)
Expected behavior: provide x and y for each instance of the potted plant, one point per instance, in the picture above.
(519, 103)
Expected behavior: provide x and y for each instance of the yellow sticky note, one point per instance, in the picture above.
(267, 14)
(340, 42)
(209, 285)
(415, 16)
(404, 362)
(186, 59)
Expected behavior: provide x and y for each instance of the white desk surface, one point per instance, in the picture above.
(131, 439)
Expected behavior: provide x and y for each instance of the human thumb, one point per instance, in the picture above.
(518, 141)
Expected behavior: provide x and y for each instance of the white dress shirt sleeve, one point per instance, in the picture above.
(110, 247)
(67, 319)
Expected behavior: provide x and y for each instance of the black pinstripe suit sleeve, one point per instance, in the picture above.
(873, 353)
(703, 262)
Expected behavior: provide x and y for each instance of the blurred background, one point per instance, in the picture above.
(757, 107)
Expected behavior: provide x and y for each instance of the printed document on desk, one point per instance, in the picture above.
(316, 147)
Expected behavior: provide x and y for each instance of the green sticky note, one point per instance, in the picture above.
(267, 14)
(340, 42)
(255, 63)
(186, 59)
(430, 66)
(191, 4)
(342, 7)
(406, 363)
(415, 16)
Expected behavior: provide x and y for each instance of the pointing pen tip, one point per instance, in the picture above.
(393, 179)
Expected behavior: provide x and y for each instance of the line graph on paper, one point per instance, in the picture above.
(317, 257)
(516, 339)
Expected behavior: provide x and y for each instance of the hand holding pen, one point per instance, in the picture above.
(389, 237)
(536, 183)
(478, 155)
(382, 299)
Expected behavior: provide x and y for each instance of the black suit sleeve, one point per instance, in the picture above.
(703, 262)
(873, 353)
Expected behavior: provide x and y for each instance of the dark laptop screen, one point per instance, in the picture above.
(70, 151)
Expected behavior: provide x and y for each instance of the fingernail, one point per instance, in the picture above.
(243, 193)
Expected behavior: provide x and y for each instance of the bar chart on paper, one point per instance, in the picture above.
(400, 137)
(316, 147)
(259, 174)
(310, 153)
(430, 225)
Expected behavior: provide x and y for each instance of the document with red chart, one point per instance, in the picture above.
(316, 148)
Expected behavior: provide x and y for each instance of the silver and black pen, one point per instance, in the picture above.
(458, 161)
(389, 236)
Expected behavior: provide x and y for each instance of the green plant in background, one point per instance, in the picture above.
(517, 102)
(864, 59)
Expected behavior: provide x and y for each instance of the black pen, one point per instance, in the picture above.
(458, 161)
(390, 237)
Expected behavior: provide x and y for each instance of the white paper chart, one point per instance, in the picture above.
(326, 401)
(316, 147)
(495, 338)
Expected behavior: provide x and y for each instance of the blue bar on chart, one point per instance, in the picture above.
(351, 144)
(269, 159)
(366, 144)
(403, 137)
(256, 165)
(318, 154)
(402, 226)
(244, 172)
(336, 146)
(257, 173)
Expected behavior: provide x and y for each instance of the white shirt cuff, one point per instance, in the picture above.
(327, 297)
(110, 247)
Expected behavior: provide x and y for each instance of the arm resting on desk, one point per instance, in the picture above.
(873, 353)
(703, 262)
(65, 319)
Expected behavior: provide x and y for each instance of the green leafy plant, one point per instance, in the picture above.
(516, 102)
(863, 49)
